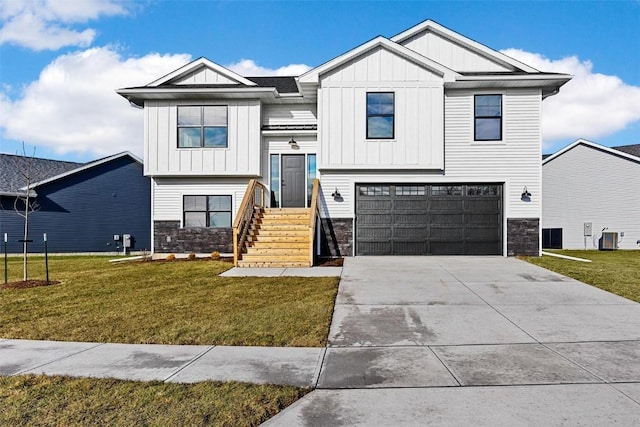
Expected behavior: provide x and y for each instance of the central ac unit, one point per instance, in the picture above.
(609, 241)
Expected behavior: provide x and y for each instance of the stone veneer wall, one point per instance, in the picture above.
(185, 240)
(523, 236)
(337, 237)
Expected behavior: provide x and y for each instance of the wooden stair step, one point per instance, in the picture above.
(278, 258)
(279, 238)
(277, 251)
(248, 264)
(278, 245)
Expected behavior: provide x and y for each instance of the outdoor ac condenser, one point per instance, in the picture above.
(609, 241)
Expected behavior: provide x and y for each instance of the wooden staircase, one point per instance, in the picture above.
(278, 238)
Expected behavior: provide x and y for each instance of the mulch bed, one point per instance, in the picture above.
(330, 262)
(24, 284)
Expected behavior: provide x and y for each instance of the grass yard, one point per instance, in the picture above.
(614, 271)
(29, 400)
(180, 302)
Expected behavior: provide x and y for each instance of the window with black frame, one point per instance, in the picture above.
(202, 126)
(207, 211)
(487, 115)
(380, 115)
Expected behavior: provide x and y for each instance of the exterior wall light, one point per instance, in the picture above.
(336, 194)
(526, 196)
(293, 142)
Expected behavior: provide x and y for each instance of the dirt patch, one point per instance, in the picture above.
(330, 262)
(24, 284)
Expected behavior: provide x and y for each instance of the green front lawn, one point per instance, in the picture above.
(29, 400)
(614, 271)
(180, 302)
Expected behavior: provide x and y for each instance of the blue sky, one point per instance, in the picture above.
(61, 60)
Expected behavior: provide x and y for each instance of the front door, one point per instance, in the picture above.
(293, 181)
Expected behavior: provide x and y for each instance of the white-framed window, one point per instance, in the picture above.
(487, 117)
(207, 211)
(202, 126)
(380, 115)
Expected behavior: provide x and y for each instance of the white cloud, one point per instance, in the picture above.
(591, 106)
(48, 24)
(248, 68)
(73, 106)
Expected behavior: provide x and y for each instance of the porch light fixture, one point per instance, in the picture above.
(526, 196)
(336, 194)
(293, 142)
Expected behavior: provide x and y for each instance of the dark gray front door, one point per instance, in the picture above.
(293, 181)
(422, 219)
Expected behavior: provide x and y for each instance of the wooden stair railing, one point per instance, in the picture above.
(254, 197)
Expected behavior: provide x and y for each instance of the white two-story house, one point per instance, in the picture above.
(424, 143)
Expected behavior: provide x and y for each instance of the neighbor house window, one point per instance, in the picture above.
(380, 115)
(487, 117)
(207, 211)
(202, 126)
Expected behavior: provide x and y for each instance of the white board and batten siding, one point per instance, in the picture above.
(418, 140)
(589, 185)
(450, 54)
(240, 158)
(168, 194)
(514, 161)
(289, 114)
(204, 75)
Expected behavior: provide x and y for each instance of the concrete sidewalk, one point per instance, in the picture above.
(173, 363)
(473, 341)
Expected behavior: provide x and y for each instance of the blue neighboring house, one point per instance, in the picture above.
(81, 206)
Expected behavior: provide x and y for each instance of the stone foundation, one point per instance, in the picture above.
(523, 236)
(170, 238)
(337, 237)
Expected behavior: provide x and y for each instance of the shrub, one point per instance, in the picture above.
(171, 257)
(215, 255)
(191, 256)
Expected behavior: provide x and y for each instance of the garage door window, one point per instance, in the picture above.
(374, 191)
(410, 190)
(482, 190)
(446, 190)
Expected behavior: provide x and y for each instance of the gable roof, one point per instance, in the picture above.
(312, 76)
(44, 170)
(634, 149)
(196, 65)
(615, 151)
(11, 180)
(434, 27)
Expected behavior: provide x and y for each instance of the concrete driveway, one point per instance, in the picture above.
(473, 341)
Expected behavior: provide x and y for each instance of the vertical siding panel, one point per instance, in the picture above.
(348, 121)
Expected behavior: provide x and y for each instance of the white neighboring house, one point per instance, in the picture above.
(424, 143)
(587, 183)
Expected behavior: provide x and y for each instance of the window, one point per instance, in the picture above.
(410, 190)
(446, 190)
(311, 175)
(488, 117)
(275, 181)
(207, 211)
(204, 126)
(380, 115)
(482, 190)
(371, 190)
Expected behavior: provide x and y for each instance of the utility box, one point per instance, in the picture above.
(609, 241)
(588, 229)
(126, 241)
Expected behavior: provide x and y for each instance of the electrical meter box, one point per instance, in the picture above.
(126, 240)
(588, 229)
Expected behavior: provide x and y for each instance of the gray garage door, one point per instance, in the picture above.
(429, 219)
